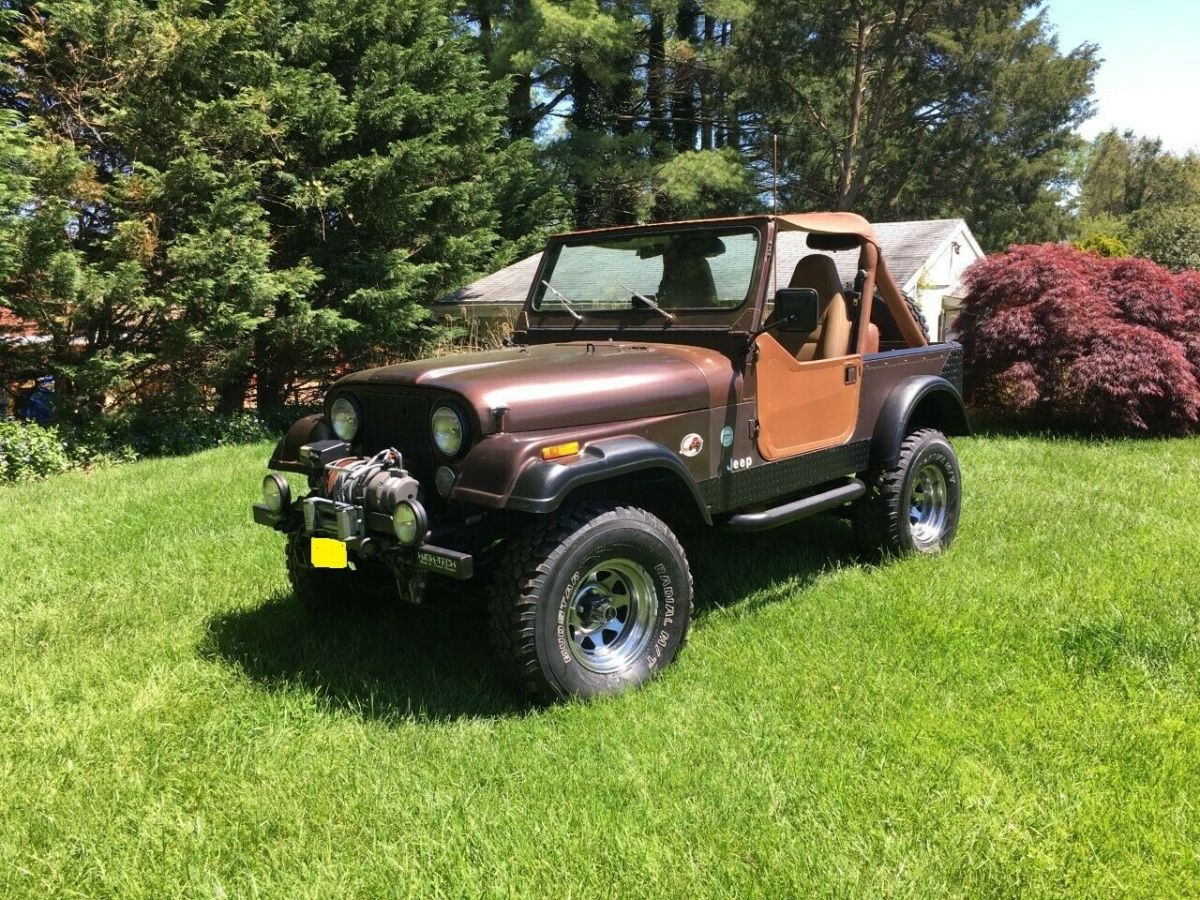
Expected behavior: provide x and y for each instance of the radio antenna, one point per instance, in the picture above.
(775, 209)
(775, 174)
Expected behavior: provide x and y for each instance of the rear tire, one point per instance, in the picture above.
(914, 507)
(591, 600)
(917, 315)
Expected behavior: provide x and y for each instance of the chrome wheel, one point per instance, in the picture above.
(610, 615)
(928, 506)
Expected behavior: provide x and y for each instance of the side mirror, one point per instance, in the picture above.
(797, 309)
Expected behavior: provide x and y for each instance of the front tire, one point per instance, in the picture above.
(591, 600)
(331, 592)
(914, 506)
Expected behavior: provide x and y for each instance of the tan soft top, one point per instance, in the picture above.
(828, 223)
(819, 222)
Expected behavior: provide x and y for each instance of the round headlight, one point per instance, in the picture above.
(343, 415)
(408, 522)
(276, 493)
(448, 430)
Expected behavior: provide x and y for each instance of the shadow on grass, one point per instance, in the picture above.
(988, 425)
(382, 661)
(394, 661)
(748, 571)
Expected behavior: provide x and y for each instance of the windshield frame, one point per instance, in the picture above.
(708, 317)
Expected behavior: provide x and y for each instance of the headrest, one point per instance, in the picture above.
(817, 272)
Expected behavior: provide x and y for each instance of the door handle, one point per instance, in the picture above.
(851, 374)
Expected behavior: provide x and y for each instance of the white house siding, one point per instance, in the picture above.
(937, 286)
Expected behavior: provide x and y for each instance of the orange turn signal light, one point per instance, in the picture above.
(558, 451)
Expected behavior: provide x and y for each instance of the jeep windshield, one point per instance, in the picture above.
(688, 269)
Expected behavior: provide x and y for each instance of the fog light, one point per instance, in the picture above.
(276, 493)
(409, 522)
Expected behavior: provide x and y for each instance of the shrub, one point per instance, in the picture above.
(1055, 335)
(1106, 245)
(30, 451)
(1170, 236)
(152, 432)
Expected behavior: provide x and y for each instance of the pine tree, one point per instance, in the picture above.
(916, 109)
(250, 192)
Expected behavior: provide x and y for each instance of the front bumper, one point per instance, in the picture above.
(366, 533)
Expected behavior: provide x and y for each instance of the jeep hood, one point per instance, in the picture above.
(562, 385)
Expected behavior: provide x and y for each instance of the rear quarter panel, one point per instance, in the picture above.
(884, 371)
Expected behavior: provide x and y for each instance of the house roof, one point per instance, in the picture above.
(508, 286)
(906, 246)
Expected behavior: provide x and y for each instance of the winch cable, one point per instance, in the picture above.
(361, 471)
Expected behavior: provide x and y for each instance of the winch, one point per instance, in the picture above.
(359, 494)
(378, 483)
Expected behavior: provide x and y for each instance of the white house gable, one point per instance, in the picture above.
(937, 285)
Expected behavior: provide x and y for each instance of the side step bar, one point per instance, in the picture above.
(797, 509)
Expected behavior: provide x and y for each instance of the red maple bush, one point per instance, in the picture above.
(1054, 335)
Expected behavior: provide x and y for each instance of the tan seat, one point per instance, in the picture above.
(835, 329)
(872, 338)
(832, 336)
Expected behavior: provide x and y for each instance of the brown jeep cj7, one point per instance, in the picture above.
(662, 376)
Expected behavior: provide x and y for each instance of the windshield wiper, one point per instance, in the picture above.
(670, 317)
(570, 307)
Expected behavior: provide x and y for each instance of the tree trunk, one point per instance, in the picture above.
(521, 119)
(520, 102)
(705, 85)
(850, 144)
(584, 119)
(231, 396)
(270, 376)
(683, 113)
(730, 133)
(623, 100)
(655, 60)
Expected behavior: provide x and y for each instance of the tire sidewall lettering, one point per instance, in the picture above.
(938, 454)
(560, 619)
(939, 457)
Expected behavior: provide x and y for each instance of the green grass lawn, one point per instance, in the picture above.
(1018, 716)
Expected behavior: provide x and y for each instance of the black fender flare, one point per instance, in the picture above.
(286, 457)
(542, 486)
(895, 416)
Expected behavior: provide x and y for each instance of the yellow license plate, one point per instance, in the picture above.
(328, 553)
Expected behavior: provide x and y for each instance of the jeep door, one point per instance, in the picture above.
(808, 381)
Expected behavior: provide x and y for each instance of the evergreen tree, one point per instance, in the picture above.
(615, 90)
(253, 191)
(1123, 174)
(917, 108)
